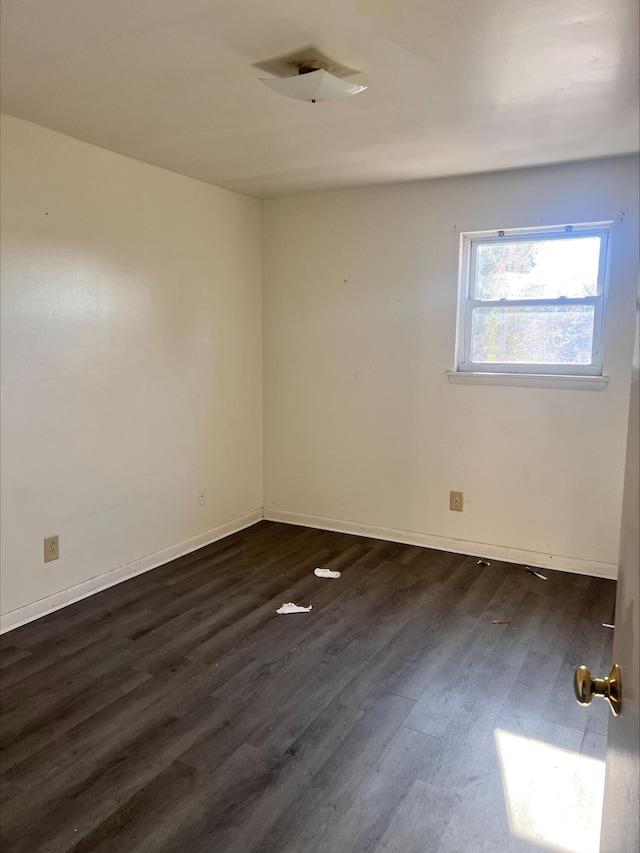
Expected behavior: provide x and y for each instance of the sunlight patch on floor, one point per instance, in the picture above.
(553, 796)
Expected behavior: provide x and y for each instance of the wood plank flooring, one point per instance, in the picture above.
(177, 712)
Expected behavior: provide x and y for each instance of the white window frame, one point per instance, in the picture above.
(469, 242)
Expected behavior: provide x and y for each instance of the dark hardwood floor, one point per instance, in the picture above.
(177, 712)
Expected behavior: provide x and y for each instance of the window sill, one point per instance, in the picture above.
(531, 380)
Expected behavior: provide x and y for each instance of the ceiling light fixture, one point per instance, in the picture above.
(313, 83)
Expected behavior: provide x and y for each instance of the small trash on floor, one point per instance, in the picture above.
(482, 562)
(608, 625)
(326, 573)
(537, 574)
(501, 621)
(290, 607)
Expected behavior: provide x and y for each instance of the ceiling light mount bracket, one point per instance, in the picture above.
(312, 82)
(308, 66)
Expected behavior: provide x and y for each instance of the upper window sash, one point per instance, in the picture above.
(528, 236)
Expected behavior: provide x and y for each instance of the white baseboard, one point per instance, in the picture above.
(39, 608)
(458, 546)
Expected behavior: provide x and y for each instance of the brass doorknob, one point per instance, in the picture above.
(586, 687)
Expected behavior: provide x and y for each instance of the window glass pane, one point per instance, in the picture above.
(539, 334)
(542, 269)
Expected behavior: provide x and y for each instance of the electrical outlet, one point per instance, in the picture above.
(51, 548)
(456, 501)
(202, 497)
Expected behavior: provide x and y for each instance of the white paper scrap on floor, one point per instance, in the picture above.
(290, 607)
(326, 573)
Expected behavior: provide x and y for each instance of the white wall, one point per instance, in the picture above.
(362, 427)
(131, 365)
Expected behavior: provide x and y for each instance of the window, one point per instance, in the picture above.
(532, 300)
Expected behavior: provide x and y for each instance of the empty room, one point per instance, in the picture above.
(319, 426)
